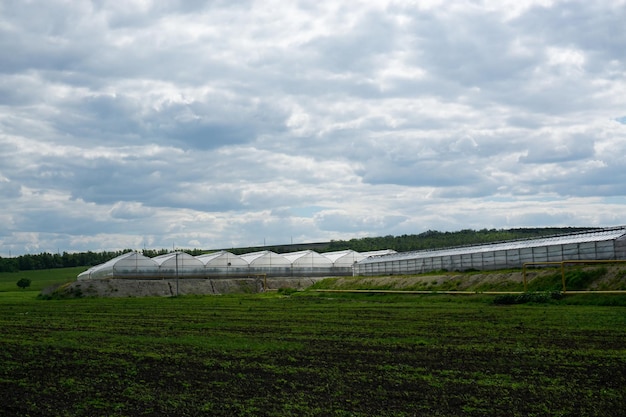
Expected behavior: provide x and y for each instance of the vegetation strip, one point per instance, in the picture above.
(423, 292)
(310, 353)
(462, 292)
(313, 353)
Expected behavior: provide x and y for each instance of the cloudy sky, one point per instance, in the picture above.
(223, 123)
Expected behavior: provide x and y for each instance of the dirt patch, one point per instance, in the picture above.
(172, 287)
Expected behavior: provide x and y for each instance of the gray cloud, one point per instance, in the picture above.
(218, 124)
(545, 148)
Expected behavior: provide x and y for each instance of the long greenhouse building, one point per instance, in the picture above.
(602, 244)
(223, 264)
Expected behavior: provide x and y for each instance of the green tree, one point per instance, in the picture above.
(23, 283)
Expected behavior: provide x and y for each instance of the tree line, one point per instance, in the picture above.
(430, 239)
(433, 239)
(47, 260)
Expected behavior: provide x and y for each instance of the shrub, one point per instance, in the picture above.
(580, 279)
(23, 283)
(287, 291)
(528, 297)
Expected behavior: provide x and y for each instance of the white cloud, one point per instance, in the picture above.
(218, 124)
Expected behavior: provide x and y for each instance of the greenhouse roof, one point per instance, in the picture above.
(333, 256)
(163, 259)
(253, 256)
(124, 259)
(206, 258)
(591, 236)
(377, 252)
(250, 257)
(292, 256)
(307, 256)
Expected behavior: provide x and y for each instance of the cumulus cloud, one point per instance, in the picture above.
(226, 123)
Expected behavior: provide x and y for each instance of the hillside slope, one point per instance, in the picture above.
(595, 278)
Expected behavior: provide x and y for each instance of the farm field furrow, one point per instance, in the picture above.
(309, 355)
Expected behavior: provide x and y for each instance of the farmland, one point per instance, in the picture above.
(309, 354)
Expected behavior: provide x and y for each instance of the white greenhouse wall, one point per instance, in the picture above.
(620, 247)
(309, 263)
(343, 261)
(224, 264)
(85, 275)
(131, 264)
(608, 244)
(268, 263)
(179, 264)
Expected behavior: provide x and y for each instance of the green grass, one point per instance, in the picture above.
(40, 279)
(309, 354)
(575, 279)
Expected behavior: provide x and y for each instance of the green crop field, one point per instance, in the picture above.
(40, 279)
(308, 354)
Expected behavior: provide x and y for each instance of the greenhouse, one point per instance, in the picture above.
(179, 264)
(604, 244)
(344, 260)
(224, 264)
(128, 265)
(268, 263)
(309, 263)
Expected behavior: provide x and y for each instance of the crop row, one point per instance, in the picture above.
(309, 354)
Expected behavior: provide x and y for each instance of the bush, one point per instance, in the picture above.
(23, 283)
(580, 279)
(577, 279)
(287, 291)
(528, 297)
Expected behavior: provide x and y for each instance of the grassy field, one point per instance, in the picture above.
(40, 279)
(307, 354)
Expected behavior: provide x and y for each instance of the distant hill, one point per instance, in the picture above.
(431, 239)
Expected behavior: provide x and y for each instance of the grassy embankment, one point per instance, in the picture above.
(307, 354)
(605, 277)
